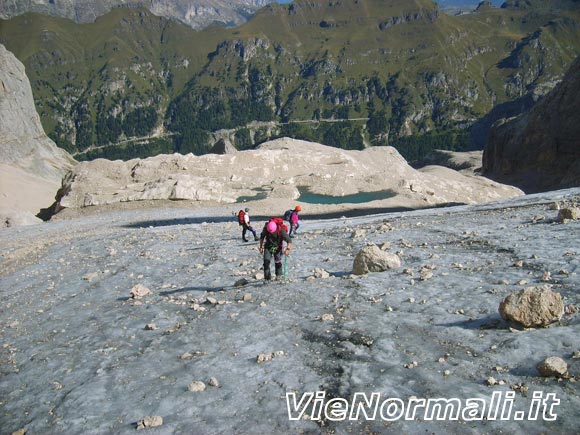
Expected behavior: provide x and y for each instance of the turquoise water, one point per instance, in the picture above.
(256, 197)
(315, 198)
(356, 198)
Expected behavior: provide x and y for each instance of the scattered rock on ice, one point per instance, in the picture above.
(263, 357)
(327, 318)
(532, 307)
(552, 366)
(320, 273)
(213, 382)
(196, 387)
(139, 291)
(372, 259)
(151, 327)
(572, 213)
(150, 421)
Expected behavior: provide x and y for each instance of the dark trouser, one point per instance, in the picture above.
(293, 228)
(268, 255)
(246, 228)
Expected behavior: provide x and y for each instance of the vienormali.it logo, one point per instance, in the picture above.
(315, 406)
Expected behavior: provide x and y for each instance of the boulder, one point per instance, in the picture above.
(552, 366)
(373, 259)
(572, 213)
(533, 307)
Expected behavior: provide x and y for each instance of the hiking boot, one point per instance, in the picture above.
(245, 240)
(256, 238)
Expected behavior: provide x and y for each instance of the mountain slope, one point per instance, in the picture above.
(195, 13)
(404, 65)
(540, 150)
(32, 166)
(79, 356)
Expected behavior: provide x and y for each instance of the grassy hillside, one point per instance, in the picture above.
(403, 64)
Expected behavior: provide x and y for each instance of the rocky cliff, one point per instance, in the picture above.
(32, 165)
(194, 13)
(540, 150)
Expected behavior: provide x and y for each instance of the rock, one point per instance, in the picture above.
(196, 387)
(532, 307)
(321, 273)
(151, 327)
(491, 381)
(212, 301)
(241, 282)
(247, 297)
(552, 366)
(150, 421)
(538, 150)
(186, 356)
(139, 291)
(213, 382)
(358, 234)
(31, 165)
(263, 357)
(372, 259)
(327, 318)
(572, 213)
(19, 432)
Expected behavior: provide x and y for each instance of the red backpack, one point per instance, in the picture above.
(241, 216)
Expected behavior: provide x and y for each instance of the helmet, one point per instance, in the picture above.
(247, 209)
(271, 227)
(298, 208)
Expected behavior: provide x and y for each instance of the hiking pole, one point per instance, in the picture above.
(285, 268)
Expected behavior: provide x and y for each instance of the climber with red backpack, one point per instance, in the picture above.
(273, 236)
(244, 221)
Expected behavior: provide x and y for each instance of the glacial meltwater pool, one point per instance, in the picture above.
(315, 198)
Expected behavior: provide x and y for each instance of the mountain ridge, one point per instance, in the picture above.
(410, 69)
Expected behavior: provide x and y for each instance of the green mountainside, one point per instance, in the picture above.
(401, 68)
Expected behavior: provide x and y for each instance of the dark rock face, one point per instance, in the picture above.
(540, 149)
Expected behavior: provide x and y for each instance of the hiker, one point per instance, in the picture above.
(244, 221)
(272, 239)
(292, 217)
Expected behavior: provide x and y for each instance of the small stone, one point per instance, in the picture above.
(186, 356)
(196, 387)
(491, 381)
(327, 318)
(441, 360)
(151, 327)
(576, 355)
(241, 282)
(552, 366)
(263, 357)
(150, 421)
(321, 273)
(259, 276)
(447, 372)
(19, 432)
(247, 297)
(279, 353)
(211, 300)
(519, 264)
(411, 300)
(90, 276)
(139, 291)
(213, 382)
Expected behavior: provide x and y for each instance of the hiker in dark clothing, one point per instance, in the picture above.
(244, 219)
(271, 243)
